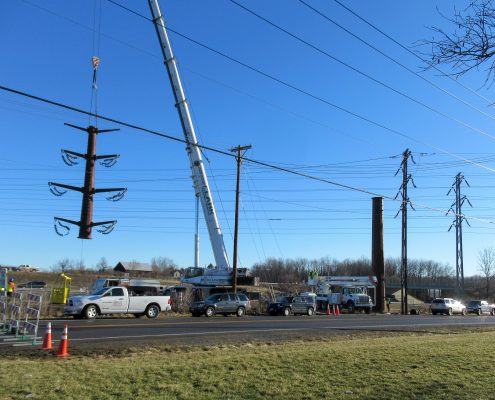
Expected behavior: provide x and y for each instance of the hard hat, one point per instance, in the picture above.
(11, 280)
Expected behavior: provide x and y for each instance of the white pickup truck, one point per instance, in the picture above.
(116, 300)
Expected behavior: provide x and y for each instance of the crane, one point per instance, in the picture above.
(221, 274)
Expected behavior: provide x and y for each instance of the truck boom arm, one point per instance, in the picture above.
(200, 180)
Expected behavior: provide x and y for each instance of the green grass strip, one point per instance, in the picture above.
(399, 366)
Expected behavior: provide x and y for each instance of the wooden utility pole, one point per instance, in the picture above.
(377, 256)
(238, 157)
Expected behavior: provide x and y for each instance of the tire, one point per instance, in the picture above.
(210, 312)
(367, 310)
(152, 311)
(240, 312)
(464, 312)
(450, 312)
(311, 311)
(90, 312)
(351, 308)
(286, 311)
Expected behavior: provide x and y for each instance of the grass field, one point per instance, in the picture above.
(397, 366)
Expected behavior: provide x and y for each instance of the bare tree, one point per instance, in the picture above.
(486, 266)
(102, 265)
(471, 42)
(163, 265)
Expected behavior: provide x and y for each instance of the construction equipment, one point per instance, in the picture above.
(350, 292)
(221, 274)
(61, 294)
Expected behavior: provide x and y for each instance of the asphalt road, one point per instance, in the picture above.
(121, 333)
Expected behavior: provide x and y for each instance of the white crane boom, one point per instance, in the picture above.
(200, 180)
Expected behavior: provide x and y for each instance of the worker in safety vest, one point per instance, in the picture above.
(10, 287)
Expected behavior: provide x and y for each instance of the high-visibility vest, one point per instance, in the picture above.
(11, 287)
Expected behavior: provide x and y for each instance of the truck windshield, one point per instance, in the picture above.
(100, 292)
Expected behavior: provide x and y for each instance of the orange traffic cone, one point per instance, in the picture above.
(63, 345)
(328, 309)
(47, 340)
(337, 310)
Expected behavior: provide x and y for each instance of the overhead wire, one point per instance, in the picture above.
(229, 154)
(476, 93)
(368, 76)
(394, 60)
(304, 92)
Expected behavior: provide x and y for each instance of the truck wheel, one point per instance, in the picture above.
(90, 312)
(240, 312)
(210, 312)
(351, 307)
(286, 311)
(152, 311)
(310, 311)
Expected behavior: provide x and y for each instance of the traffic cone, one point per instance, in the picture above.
(337, 310)
(63, 345)
(328, 309)
(47, 339)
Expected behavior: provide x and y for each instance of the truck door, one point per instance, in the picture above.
(114, 301)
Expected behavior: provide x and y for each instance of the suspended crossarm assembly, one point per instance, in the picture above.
(86, 223)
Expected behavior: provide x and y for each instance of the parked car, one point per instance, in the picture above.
(32, 285)
(221, 303)
(293, 305)
(447, 306)
(26, 268)
(480, 307)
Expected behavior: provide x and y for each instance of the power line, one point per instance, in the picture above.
(304, 92)
(392, 59)
(489, 101)
(358, 71)
(256, 162)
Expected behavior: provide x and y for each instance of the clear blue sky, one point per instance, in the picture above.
(47, 48)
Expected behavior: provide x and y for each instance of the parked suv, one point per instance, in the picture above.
(447, 306)
(480, 306)
(221, 303)
(293, 305)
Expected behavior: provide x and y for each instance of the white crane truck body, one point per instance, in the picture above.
(349, 292)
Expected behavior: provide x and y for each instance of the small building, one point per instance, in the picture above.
(133, 267)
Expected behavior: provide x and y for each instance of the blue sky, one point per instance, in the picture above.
(47, 50)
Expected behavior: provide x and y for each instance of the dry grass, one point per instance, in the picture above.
(422, 366)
